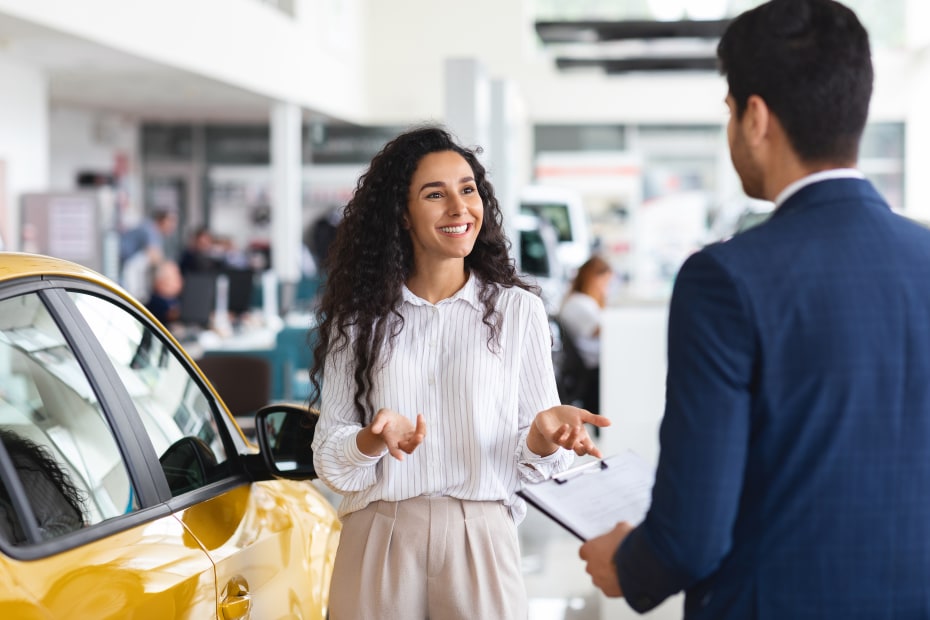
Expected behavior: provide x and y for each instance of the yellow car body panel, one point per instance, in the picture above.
(279, 536)
(149, 571)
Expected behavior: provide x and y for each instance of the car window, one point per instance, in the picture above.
(56, 439)
(177, 413)
(534, 258)
(557, 214)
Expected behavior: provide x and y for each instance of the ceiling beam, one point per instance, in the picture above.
(613, 66)
(597, 31)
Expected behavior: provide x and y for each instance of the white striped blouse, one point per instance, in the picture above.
(478, 405)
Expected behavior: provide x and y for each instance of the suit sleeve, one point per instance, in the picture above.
(704, 438)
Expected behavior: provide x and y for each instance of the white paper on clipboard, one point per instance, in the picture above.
(591, 499)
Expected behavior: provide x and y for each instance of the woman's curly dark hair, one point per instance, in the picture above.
(371, 258)
(28, 455)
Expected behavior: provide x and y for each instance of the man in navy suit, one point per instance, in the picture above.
(794, 476)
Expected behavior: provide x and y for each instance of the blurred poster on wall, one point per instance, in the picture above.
(71, 229)
(64, 225)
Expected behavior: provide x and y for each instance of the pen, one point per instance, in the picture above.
(587, 468)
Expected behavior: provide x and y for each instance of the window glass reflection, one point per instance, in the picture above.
(173, 407)
(54, 430)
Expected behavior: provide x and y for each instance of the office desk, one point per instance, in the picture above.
(286, 347)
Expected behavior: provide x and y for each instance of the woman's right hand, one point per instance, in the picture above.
(393, 431)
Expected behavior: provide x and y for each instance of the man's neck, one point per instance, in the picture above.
(790, 170)
(814, 177)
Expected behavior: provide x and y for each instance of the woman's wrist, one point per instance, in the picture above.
(368, 443)
(537, 441)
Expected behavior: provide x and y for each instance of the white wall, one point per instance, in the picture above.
(84, 140)
(23, 140)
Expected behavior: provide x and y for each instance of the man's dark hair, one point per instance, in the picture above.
(810, 61)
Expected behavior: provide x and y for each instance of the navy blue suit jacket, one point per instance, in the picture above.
(794, 474)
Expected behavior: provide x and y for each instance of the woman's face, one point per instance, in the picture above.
(444, 209)
(602, 282)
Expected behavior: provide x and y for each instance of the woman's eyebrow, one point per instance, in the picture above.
(441, 184)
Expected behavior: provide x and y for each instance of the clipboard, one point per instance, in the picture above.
(589, 500)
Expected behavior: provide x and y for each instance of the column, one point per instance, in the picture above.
(468, 102)
(286, 221)
(508, 150)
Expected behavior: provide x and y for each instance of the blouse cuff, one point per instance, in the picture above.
(356, 457)
(537, 468)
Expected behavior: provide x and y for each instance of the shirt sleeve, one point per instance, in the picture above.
(153, 237)
(537, 392)
(704, 438)
(339, 463)
(580, 315)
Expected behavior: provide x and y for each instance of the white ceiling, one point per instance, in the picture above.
(91, 75)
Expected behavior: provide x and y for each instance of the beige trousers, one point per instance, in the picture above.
(428, 558)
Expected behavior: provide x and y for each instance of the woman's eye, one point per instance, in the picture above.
(434, 195)
(468, 190)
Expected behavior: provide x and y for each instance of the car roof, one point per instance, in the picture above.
(14, 265)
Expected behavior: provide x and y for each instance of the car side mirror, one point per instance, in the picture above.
(187, 464)
(284, 433)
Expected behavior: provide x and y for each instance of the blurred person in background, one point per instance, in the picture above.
(580, 316)
(320, 234)
(142, 249)
(229, 254)
(795, 445)
(164, 302)
(200, 254)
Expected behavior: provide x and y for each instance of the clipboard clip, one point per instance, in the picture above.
(581, 470)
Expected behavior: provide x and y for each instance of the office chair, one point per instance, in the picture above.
(573, 379)
(242, 381)
(570, 371)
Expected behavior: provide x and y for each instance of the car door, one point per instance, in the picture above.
(271, 542)
(84, 532)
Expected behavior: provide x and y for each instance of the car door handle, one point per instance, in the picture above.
(237, 602)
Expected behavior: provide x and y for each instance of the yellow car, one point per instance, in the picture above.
(126, 488)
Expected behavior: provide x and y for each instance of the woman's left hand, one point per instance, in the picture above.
(564, 426)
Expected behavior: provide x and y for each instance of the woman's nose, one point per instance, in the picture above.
(456, 205)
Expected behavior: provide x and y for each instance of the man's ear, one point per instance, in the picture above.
(756, 120)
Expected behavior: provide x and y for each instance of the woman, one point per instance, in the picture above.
(580, 316)
(433, 359)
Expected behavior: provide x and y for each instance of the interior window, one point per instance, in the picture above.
(53, 431)
(176, 412)
(533, 255)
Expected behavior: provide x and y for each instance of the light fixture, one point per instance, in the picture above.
(667, 10)
(673, 10)
(707, 9)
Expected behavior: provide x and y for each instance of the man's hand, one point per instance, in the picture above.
(564, 425)
(598, 553)
(393, 431)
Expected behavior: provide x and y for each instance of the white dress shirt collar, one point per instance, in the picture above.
(468, 293)
(823, 175)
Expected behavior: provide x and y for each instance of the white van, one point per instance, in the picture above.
(564, 208)
(535, 248)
